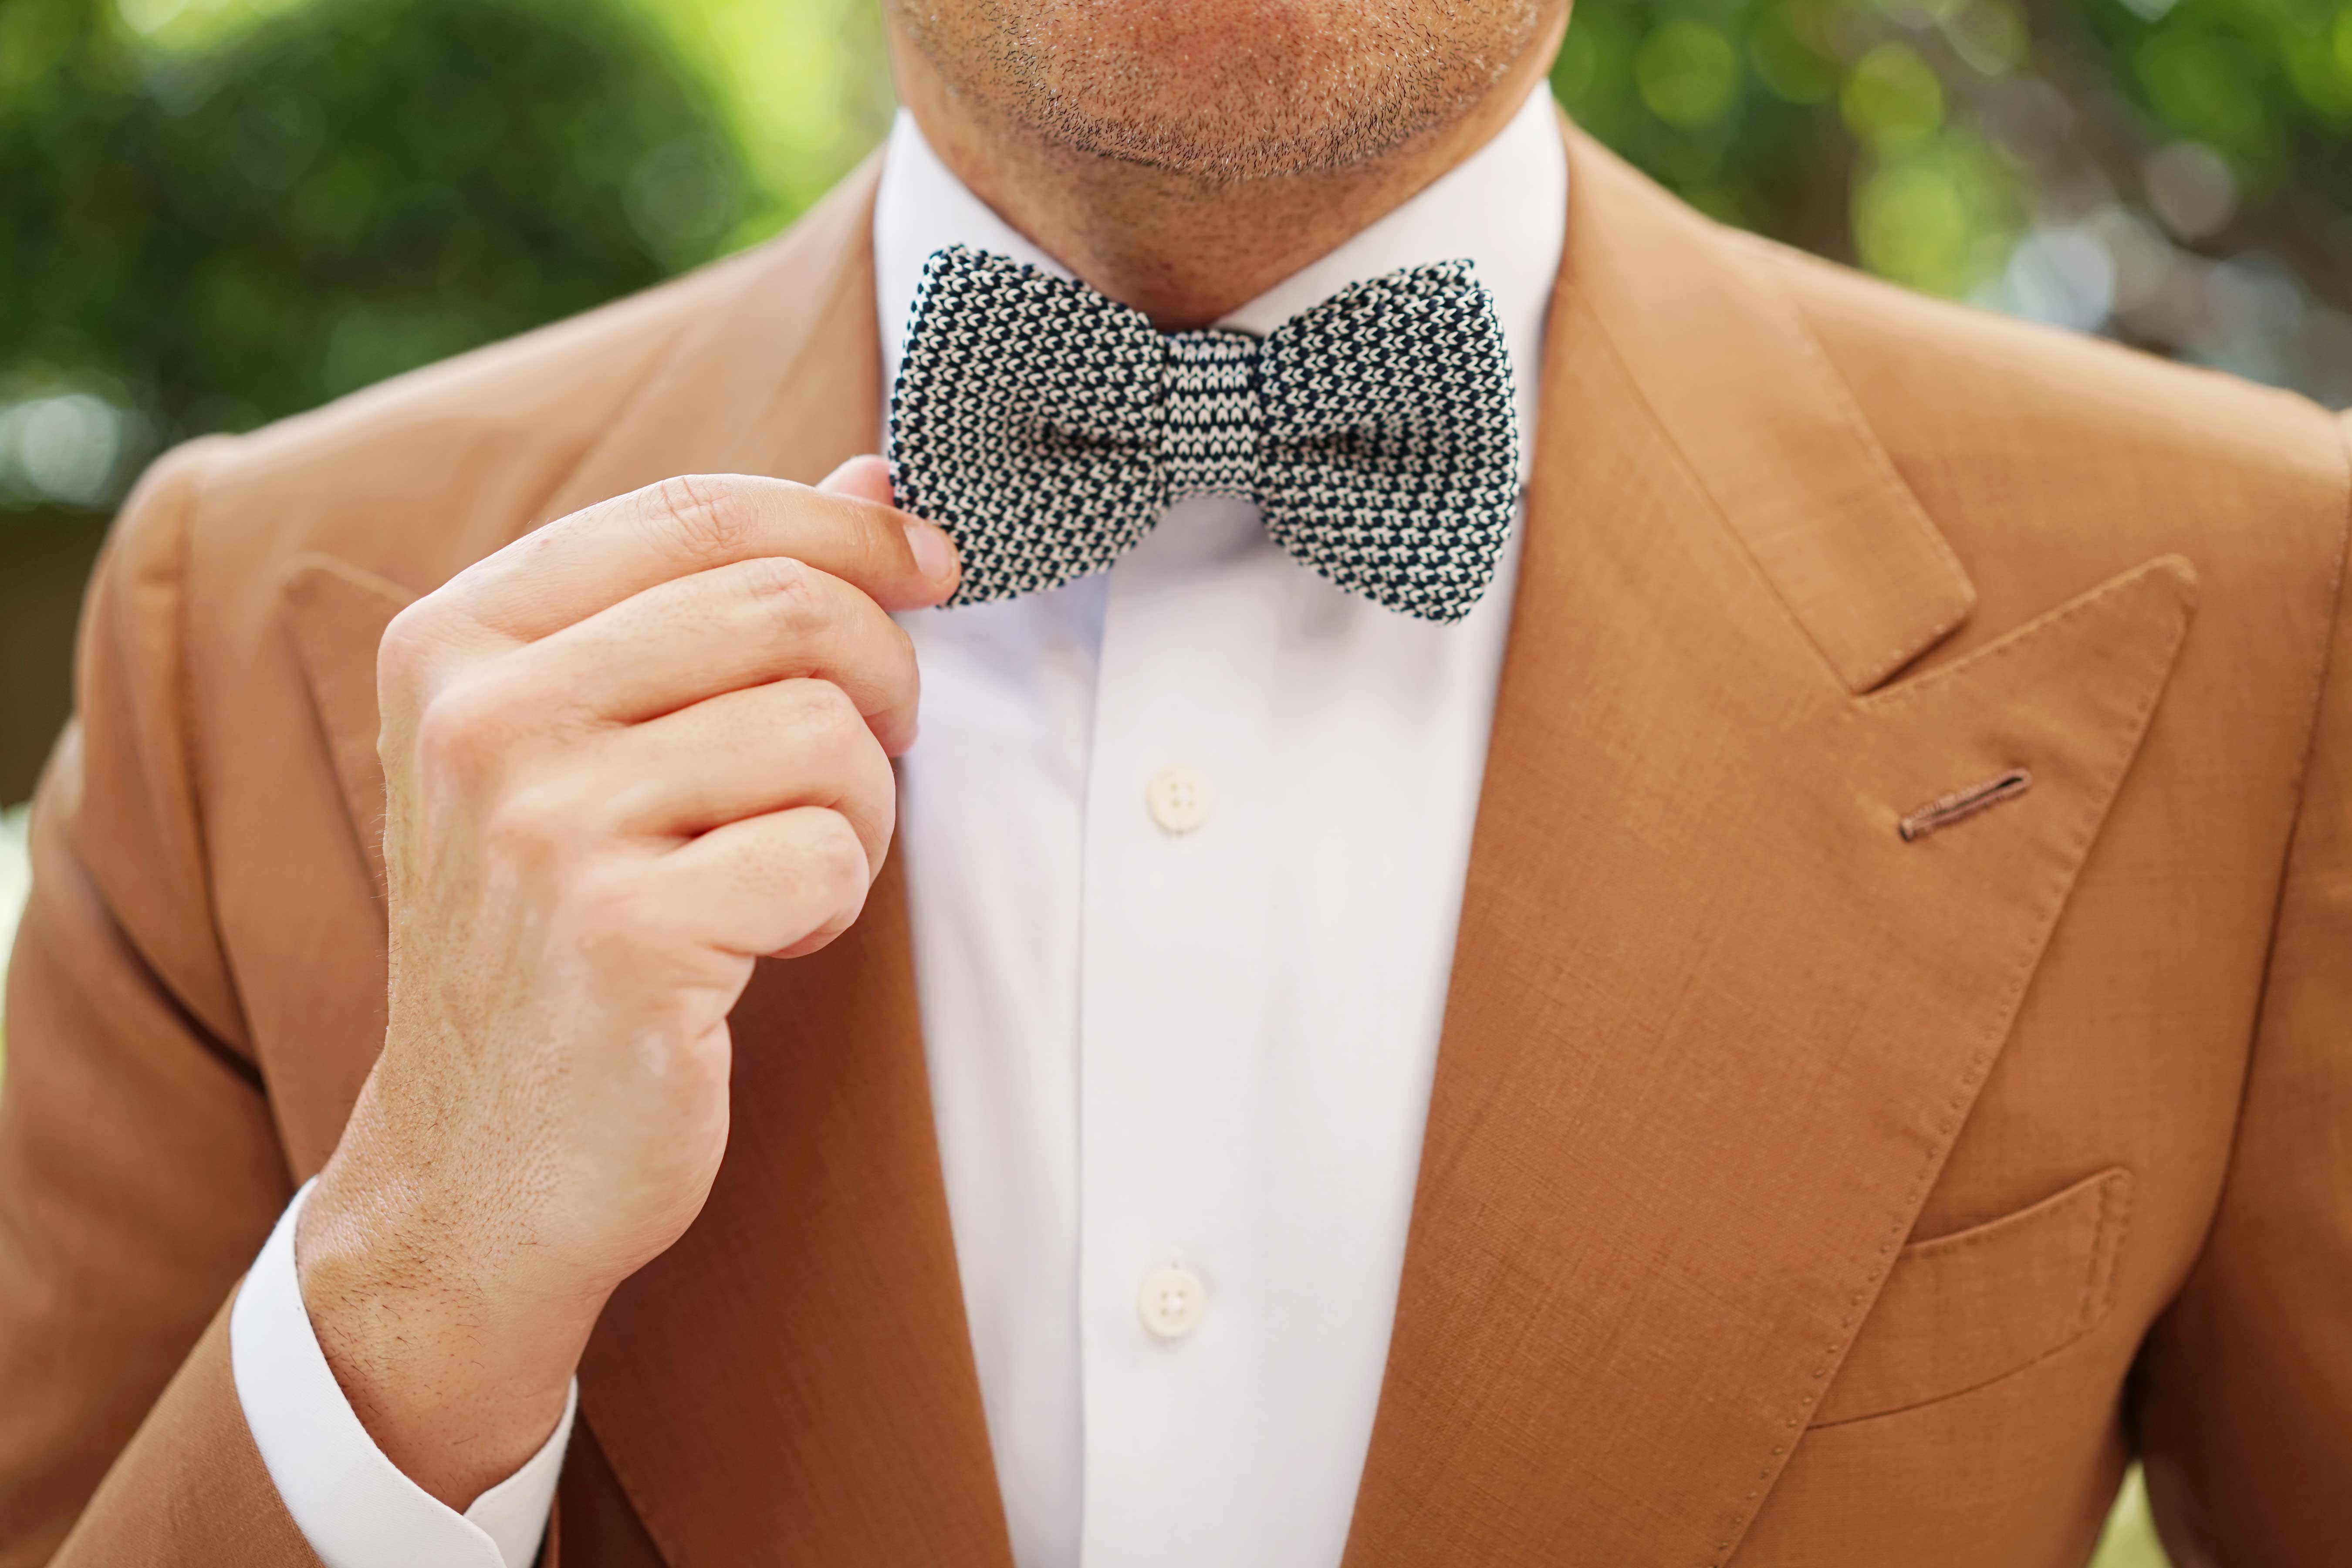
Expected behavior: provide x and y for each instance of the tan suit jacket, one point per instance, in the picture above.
(1794, 1194)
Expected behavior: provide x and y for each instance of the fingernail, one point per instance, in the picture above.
(934, 557)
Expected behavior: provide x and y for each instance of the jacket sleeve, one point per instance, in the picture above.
(2244, 1397)
(139, 1169)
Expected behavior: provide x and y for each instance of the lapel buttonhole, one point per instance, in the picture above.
(1945, 810)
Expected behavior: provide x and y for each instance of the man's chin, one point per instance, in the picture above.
(1226, 90)
(1248, 140)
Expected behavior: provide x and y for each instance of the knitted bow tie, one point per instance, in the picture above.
(1045, 426)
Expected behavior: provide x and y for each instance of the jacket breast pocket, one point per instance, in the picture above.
(1961, 1310)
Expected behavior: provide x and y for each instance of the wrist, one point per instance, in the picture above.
(457, 1375)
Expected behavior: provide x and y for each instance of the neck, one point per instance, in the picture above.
(1182, 249)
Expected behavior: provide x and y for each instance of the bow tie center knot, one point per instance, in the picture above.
(1209, 410)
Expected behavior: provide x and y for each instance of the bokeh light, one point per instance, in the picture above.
(2175, 174)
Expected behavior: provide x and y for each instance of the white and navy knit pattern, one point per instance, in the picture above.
(1209, 413)
(1045, 426)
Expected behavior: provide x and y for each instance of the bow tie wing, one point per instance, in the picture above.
(1389, 460)
(1024, 422)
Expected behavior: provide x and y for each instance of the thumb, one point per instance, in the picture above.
(867, 478)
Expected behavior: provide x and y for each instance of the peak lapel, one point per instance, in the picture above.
(336, 614)
(1714, 1023)
(792, 1382)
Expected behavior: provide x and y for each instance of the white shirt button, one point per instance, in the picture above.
(1179, 798)
(1171, 1302)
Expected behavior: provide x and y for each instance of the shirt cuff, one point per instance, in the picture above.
(352, 1505)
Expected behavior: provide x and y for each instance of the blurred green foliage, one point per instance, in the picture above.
(204, 239)
(2179, 175)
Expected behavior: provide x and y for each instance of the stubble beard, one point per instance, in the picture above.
(1225, 91)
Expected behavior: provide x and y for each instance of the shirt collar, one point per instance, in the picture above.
(1505, 208)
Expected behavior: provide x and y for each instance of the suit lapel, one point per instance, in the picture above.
(1714, 1024)
(336, 614)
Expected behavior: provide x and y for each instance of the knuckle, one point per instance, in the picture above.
(881, 805)
(531, 829)
(889, 660)
(836, 860)
(413, 651)
(905, 681)
(461, 732)
(607, 909)
(785, 588)
(836, 708)
(408, 642)
(828, 719)
(709, 516)
(882, 553)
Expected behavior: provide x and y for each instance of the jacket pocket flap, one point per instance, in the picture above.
(1961, 1310)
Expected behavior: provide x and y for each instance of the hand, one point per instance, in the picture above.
(623, 757)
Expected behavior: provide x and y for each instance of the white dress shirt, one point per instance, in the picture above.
(1184, 847)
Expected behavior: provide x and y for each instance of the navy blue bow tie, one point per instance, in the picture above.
(1045, 427)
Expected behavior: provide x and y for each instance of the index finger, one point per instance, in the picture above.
(570, 569)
